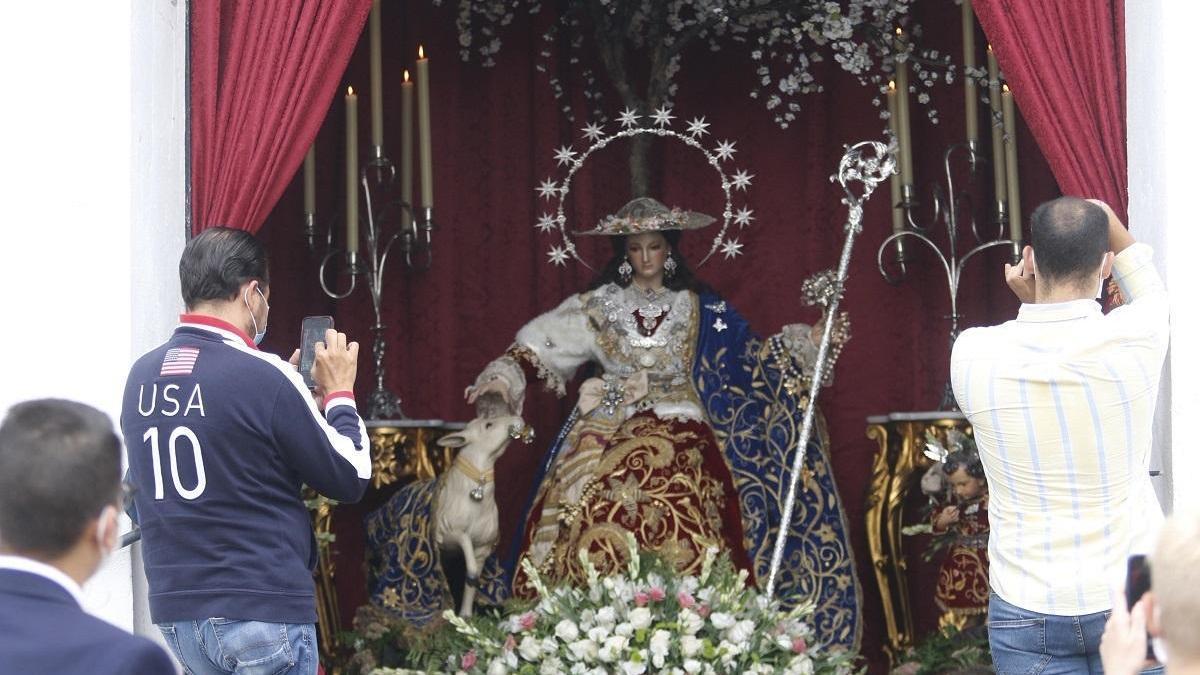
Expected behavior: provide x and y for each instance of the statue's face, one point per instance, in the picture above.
(647, 252)
(966, 487)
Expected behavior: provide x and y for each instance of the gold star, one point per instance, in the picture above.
(391, 598)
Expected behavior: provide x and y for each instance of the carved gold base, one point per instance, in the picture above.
(901, 439)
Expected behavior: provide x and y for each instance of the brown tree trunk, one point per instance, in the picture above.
(639, 166)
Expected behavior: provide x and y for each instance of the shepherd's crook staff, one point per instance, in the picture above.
(868, 163)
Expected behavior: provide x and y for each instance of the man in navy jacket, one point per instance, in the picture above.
(60, 487)
(221, 438)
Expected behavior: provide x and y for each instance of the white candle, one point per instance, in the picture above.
(971, 111)
(904, 122)
(406, 150)
(426, 145)
(897, 179)
(1010, 162)
(376, 78)
(310, 179)
(351, 170)
(995, 122)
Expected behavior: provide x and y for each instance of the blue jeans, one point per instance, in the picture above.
(224, 646)
(1029, 643)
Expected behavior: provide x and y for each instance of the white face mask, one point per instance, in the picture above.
(259, 334)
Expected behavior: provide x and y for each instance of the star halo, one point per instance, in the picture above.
(596, 138)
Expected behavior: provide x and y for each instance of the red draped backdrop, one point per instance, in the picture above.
(495, 131)
(262, 74)
(1065, 63)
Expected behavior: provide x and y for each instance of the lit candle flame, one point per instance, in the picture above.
(899, 31)
(349, 91)
(1006, 88)
(891, 85)
(406, 75)
(989, 49)
(420, 51)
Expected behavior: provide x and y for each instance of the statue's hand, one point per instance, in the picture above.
(802, 341)
(497, 386)
(491, 399)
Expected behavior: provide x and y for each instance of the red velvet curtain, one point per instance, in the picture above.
(1065, 63)
(263, 73)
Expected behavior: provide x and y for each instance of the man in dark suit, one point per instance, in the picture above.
(60, 491)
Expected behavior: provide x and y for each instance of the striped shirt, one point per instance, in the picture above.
(1061, 400)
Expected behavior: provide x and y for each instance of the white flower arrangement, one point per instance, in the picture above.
(648, 620)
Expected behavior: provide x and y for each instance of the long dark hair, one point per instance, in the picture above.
(682, 279)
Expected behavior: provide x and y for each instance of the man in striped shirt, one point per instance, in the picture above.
(1061, 400)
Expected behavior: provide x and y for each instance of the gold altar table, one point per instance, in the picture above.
(898, 464)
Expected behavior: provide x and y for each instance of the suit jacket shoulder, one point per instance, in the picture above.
(43, 630)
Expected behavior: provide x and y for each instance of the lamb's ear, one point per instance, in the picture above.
(452, 441)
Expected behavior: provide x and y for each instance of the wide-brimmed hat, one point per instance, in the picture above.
(645, 214)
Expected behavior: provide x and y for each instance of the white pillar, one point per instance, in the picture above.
(159, 197)
(93, 179)
(1161, 99)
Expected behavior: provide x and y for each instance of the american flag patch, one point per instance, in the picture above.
(179, 361)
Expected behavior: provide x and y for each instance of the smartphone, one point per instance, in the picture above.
(312, 331)
(1137, 582)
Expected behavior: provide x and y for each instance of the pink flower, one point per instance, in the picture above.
(528, 620)
(468, 660)
(657, 594)
(510, 643)
(640, 599)
(703, 611)
(686, 600)
(799, 645)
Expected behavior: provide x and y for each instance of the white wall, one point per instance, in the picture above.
(92, 174)
(1161, 99)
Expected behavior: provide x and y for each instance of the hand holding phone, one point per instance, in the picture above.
(1137, 582)
(335, 363)
(312, 331)
(1123, 645)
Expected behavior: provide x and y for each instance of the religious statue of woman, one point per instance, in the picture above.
(686, 436)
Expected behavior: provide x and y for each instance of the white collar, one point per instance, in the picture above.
(1045, 312)
(20, 564)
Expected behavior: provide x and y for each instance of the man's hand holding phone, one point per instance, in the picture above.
(1019, 277)
(1125, 646)
(335, 363)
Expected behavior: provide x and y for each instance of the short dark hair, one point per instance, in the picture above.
(1069, 237)
(963, 459)
(216, 262)
(60, 464)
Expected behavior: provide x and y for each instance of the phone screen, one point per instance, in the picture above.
(1137, 582)
(312, 331)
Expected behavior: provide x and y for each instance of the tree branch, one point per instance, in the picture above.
(735, 15)
(612, 52)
